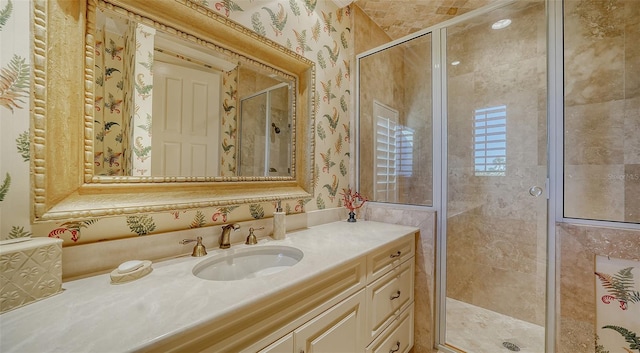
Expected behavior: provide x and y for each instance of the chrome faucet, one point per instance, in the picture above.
(225, 242)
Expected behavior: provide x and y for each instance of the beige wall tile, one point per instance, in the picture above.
(577, 247)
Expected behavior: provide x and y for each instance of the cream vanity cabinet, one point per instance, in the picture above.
(352, 292)
(335, 330)
(377, 318)
(389, 296)
(365, 304)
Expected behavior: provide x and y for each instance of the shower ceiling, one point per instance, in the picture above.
(399, 18)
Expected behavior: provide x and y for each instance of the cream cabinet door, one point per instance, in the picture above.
(337, 330)
(283, 345)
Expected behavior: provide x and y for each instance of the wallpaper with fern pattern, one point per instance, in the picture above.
(111, 77)
(316, 29)
(14, 119)
(123, 102)
(618, 305)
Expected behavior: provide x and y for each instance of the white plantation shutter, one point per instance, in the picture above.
(404, 141)
(490, 141)
(386, 152)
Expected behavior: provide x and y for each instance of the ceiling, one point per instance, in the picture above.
(399, 18)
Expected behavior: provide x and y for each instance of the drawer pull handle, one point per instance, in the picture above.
(396, 348)
(393, 256)
(395, 296)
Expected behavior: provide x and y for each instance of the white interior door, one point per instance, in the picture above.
(186, 120)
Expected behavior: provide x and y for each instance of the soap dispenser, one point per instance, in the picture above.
(279, 225)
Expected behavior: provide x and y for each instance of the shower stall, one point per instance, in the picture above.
(483, 97)
(496, 163)
(265, 133)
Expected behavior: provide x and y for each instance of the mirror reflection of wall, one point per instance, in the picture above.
(395, 124)
(111, 76)
(166, 107)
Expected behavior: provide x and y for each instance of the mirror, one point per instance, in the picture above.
(168, 107)
(67, 126)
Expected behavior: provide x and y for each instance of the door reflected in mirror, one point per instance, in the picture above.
(167, 107)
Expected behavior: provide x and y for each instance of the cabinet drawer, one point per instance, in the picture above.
(383, 260)
(398, 338)
(387, 296)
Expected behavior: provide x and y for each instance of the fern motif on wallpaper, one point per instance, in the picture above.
(323, 35)
(620, 289)
(108, 118)
(14, 83)
(73, 228)
(228, 159)
(14, 96)
(14, 79)
(315, 29)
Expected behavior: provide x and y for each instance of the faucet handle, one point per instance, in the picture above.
(251, 239)
(199, 249)
(231, 226)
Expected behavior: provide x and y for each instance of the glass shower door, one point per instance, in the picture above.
(253, 135)
(496, 204)
(265, 133)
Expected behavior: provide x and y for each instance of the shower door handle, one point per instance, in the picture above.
(535, 191)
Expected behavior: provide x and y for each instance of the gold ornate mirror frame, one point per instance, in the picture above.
(63, 186)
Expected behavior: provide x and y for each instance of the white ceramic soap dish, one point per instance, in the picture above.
(130, 271)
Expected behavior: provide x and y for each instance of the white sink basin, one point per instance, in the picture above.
(247, 263)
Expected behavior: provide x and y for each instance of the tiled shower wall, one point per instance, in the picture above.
(382, 75)
(577, 245)
(396, 78)
(602, 160)
(602, 110)
(416, 188)
(577, 249)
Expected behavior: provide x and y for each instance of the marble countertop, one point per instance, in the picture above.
(93, 315)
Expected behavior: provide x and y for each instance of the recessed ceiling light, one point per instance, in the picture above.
(501, 24)
(455, 63)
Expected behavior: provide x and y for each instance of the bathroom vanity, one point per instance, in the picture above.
(352, 291)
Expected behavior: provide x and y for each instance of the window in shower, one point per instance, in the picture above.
(490, 141)
(386, 149)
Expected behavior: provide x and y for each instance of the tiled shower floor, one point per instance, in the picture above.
(478, 330)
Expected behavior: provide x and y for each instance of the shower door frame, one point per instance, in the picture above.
(554, 118)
